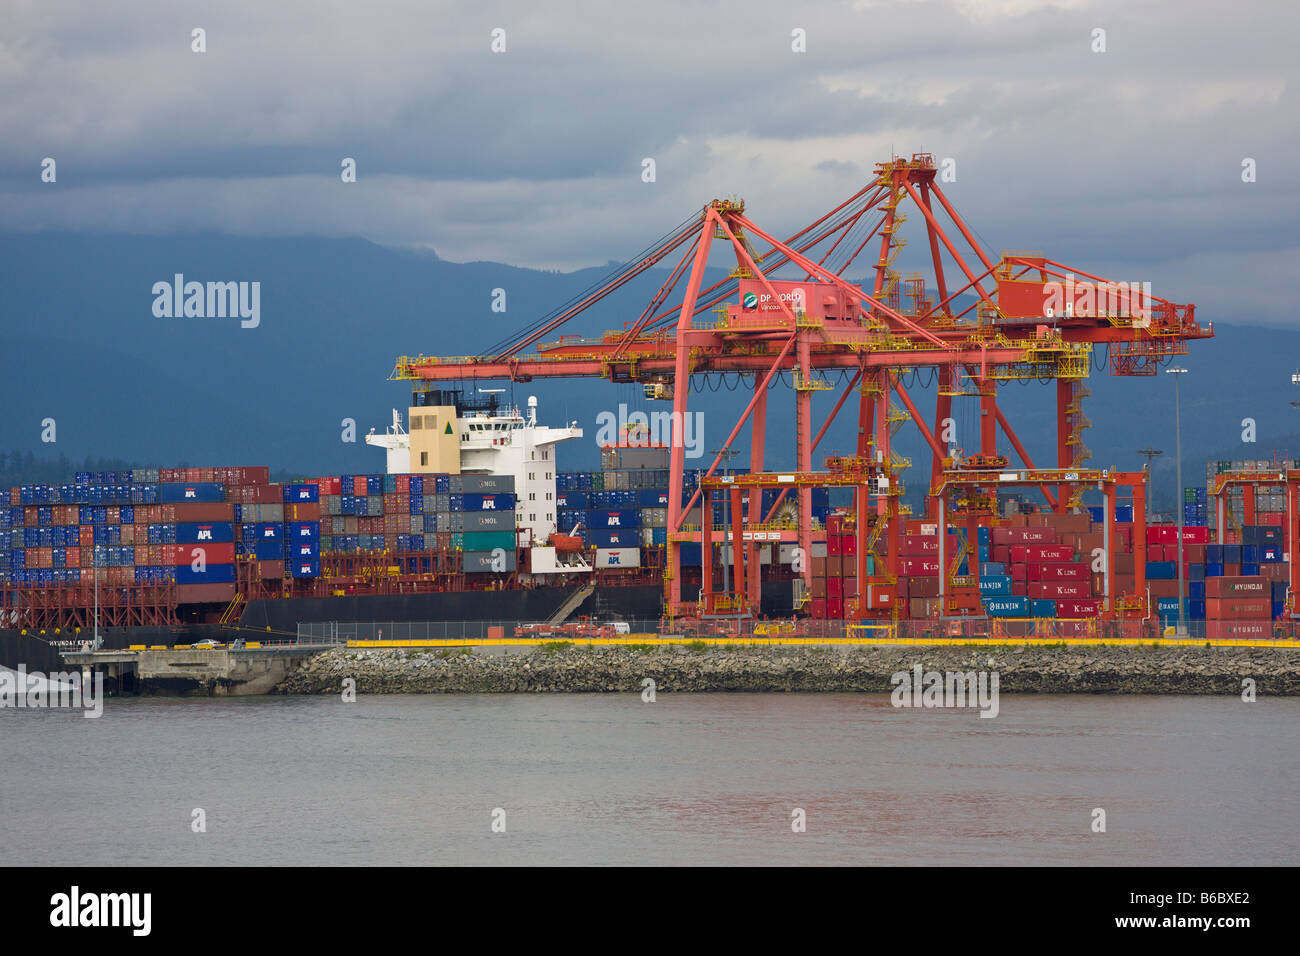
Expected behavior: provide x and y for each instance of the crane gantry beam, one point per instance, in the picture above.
(1030, 317)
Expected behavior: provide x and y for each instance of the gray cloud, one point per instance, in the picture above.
(1126, 160)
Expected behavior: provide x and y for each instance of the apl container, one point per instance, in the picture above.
(172, 492)
(199, 532)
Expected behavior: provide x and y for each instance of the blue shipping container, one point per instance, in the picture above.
(297, 494)
(501, 501)
(172, 492)
(1007, 606)
(196, 532)
(305, 569)
(211, 574)
(614, 537)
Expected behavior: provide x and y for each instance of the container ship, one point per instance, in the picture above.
(488, 533)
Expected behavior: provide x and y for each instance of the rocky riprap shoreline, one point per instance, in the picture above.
(687, 668)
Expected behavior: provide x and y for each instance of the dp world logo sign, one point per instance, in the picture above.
(750, 301)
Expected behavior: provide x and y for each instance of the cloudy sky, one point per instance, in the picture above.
(1127, 161)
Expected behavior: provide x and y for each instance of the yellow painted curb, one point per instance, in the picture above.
(851, 642)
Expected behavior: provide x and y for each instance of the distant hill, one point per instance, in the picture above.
(82, 346)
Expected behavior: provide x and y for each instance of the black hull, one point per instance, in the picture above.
(641, 605)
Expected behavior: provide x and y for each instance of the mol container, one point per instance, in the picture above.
(488, 562)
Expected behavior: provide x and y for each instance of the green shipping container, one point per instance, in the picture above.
(486, 540)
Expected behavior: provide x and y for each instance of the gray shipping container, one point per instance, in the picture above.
(487, 562)
(431, 504)
(451, 521)
(654, 517)
(442, 504)
(481, 484)
(486, 520)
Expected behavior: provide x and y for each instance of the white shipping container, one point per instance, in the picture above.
(618, 557)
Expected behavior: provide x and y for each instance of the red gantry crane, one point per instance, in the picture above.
(1020, 316)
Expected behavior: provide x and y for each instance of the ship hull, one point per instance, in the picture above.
(639, 605)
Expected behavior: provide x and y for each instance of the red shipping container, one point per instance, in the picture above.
(1078, 607)
(1249, 587)
(270, 569)
(1238, 630)
(833, 545)
(835, 608)
(205, 593)
(919, 567)
(849, 544)
(1019, 572)
(835, 587)
(1001, 553)
(918, 545)
(72, 557)
(1195, 534)
(1162, 534)
(1052, 590)
(818, 608)
(926, 587)
(1238, 608)
(203, 511)
(307, 511)
(1048, 553)
(834, 523)
(213, 553)
(1059, 572)
(1162, 587)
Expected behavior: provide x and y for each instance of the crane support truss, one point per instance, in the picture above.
(970, 495)
(1021, 315)
(876, 574)
(1249, 481)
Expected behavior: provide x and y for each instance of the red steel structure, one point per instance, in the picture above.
(1022, 315)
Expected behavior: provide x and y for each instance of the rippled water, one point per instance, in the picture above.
(607, 779)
